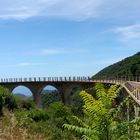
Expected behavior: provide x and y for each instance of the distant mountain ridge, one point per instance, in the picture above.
(22, 96)
(129, 66)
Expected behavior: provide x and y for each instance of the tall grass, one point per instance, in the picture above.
(11, 130)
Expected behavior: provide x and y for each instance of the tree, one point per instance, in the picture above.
(102, 116)
(6, 99)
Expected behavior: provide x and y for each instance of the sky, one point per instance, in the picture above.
(43, 38)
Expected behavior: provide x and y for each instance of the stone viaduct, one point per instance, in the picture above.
(65, 85)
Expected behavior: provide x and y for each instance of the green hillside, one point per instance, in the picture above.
(129, 66)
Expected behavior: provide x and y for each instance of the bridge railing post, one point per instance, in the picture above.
(30, 79)
(78, 78)
(34, 79)
(38, 79)
(25, 79)
(56, 78)
(44, 78)
(73, 78)
(60, 78)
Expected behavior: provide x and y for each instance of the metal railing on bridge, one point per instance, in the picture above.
(46, 79)
(135, 78)
(114, 80)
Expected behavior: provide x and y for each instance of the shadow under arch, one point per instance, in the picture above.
(50, 94)
(22, 90)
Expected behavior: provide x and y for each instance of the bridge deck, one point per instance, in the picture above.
(132, 87)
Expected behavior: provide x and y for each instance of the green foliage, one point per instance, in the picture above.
(47, 122)
(127, 67)
(6, 99)
(38, 115)
(59, 113)
(49, 98)
(26, 104)
(101, 120)
(76, 102)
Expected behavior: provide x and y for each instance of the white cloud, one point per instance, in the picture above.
(25, 64)
(76, 9)
(128, 33)
(56, 51)
(50, 51)
(70, 9)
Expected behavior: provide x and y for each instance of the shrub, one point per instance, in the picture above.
(26, 104)
(6, 99)
(37, 115)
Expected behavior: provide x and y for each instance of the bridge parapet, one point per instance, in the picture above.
(46, 79)
(120, 78)
(110, 81)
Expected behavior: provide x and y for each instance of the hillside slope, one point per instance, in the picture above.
(129, 66)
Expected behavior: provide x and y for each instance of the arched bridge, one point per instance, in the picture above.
(36, 85)
(66, 84)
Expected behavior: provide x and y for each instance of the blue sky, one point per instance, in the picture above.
(66, 37)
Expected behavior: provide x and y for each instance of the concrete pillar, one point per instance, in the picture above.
(66, 90)
(36, 91)
(37, 99)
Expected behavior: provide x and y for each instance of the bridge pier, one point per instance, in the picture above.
(66, 90)
(37, 100)
(36, 91)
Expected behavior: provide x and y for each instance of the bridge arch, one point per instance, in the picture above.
(23, 90)
(50, 93)
(50, 87)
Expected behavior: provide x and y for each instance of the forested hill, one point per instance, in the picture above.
(129, 66)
